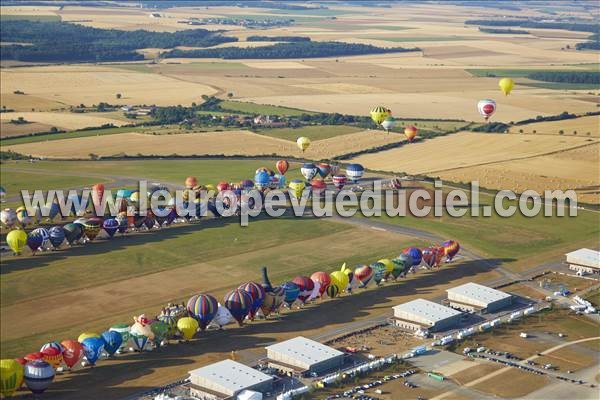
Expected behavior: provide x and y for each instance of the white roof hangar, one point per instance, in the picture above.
(425, 311)
(228, 378)
(299, 355)
(476, 294)
(584, 257)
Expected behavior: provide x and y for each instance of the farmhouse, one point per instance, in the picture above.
(226, 379)
(584, 261)
(301, 356)
(472, 297)
(425, 315)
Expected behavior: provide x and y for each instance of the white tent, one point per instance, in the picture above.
(249, 395)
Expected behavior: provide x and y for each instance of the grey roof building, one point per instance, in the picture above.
(421, 314)
(584, 260)
(472, 297)
(301, 355)
(225, 379)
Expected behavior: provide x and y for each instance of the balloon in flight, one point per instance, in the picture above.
(303, 143)
(506, 85)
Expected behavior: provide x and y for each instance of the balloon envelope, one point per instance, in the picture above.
(323, 279)
(296, 187)
(72, 352)
(73, 232)
(506, 85)
(239, 304)
(203, 307)
(257, 292)
(282, 166)
(303, 143)
(92, 348)
(291, 293)
(11, 376)
(414, 253)
(16, 240)
(355, 172)
(56, 236)
(112, 341)
(451, 248)
(379, 114)
(38, 376)
(306, 286)
(188, 327)
(486, 107)
(410, 132)
(309, 171)
(388, 123)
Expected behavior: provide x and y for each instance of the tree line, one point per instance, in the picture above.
(593, 43)
(525, 23)
(287, 50)
(566, 76)
(504, 31)
(257, 38)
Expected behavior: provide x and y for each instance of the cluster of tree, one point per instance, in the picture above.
(525, 23)
(590, 77)
(593, 43)
(173, 114)
(540, 118)
(257, 38)
(288, 50)
(60, 41)
(11, 155)
(492, 127)
(504, 31)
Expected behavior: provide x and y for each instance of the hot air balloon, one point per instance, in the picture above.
(203, 307)
(222, 317)
(410, 132)
(262, 180)
(318, 186)
(292, 291)
(432, 256)
(339, 279)
(38, 376)
(239, 304)
(257, 292)
(23, 217)
(56, 236)
(86, 335)
(506, 85)
(191, 182)
(486, 107)
(54, 345)
(92, 348)
(309, 171)
(8, 217)
(222, 186)
(112, 341)
(296, 187)
(273, 300)
(323, 279)
(188, 327)
(388, 123)
(451, 248)
(354, 172)
(34, 240)
(91, 227)
(54, 210)
(247, 184)
(38, 355)
(72, 352)
(44, 234)
(306, 286)
(350, 272)
(414, 253)
(379, 114)
(339, 181)
(389, 266)
(396, 183)
(282, 166)
(11, 377)
(363, 274)
(139, 341)
(97, 195)
(16, 240)
(73, 232)
(332, 291)
(123, 330)
(401, 265)
(52, 356)
(378, 272)
(303, 143)
(161, 331)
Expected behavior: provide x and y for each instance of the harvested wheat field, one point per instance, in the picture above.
(8, 129)
(583, 126)
(64, 120)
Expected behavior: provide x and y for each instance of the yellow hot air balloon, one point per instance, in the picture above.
(16, 240)
(303, 142)
(379, 114)
(188, 327)
(211, 188)
(389, 265)
(11, 376)
(506, 85)
(339, 279)
(296, 187)
(86, 335)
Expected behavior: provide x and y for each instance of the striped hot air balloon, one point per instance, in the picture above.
(306, 286)
(202, 307)
(309, 171)
(355, 172)
(379, 271)
(257, 292)
(414, 253)
(451, 249)
(379, 114)
(363, 274)
(38, 376)
(324, 169)
(339, 181)
(332, 291)
(53, 356)
(239, 304)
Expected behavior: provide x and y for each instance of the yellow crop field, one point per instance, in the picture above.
(63, 120)
(584, 126)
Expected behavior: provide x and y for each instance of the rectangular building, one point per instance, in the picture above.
(584, 261)
(421, 314)
(472, 297)
(225, 379)
(303, 356)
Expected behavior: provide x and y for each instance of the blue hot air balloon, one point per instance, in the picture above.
(309, 171)
(34, 240)
(139, 341)
(354, 172)
(112, 341)
(92, 348)
(110, 225)
(292, 291)
(415, 253)
(56, 236)
(44, 234)
(38, 376)
(262, 179)
(54, 210)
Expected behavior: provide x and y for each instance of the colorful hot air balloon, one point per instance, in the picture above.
(123, 330)
(72, 352)
(16, 240)
(351, 279)
(324, 169)
(506, 85)
(339, 279)
(222, 317)
(332, 291)
(54, 345)
(97, 195)
(309, 171)
(203, 307)
(378, 272)
(282, 166)
(432, 256)
(451, 249)
(188, 327)
(296, 187)
(339, 181)
(38, 376)
(86, 335)
(291, 293)
(414, 253)
(396, 183)
(323, 279)
(139, 341)
(486, 107)
(91, 227)
(56, 236)
(53, 356)
(8, 217)
(38, 355)
(73, 232)
(363, 274)
(11, 377)
(191, 182)
(306, 286)
(317, 186)
(388, 123)
(222, 186)
(257, 292)
(239, 304)
(402, 265)
(34, 240)
(161, 331)
(389, 266)
(354, 172)
(262, 179)
(112, 341)
(273, 300)
(110, 226)
(92, 348)
(303, 143)
(410, 132)
(22, 217)
(379, 114)
(44, 234)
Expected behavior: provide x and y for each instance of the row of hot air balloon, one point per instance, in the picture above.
(246, 302)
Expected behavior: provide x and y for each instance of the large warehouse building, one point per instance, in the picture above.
(584, 261)
(472, 297)
(423, 314)
(301, 356)
(226, 379)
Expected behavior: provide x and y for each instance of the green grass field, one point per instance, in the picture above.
(316, 132)
(43, 18)
(252, 108)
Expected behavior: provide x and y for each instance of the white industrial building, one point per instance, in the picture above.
(472, 297)
(302, 356)
(425, 315)
(584, 261)
(227, 379)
